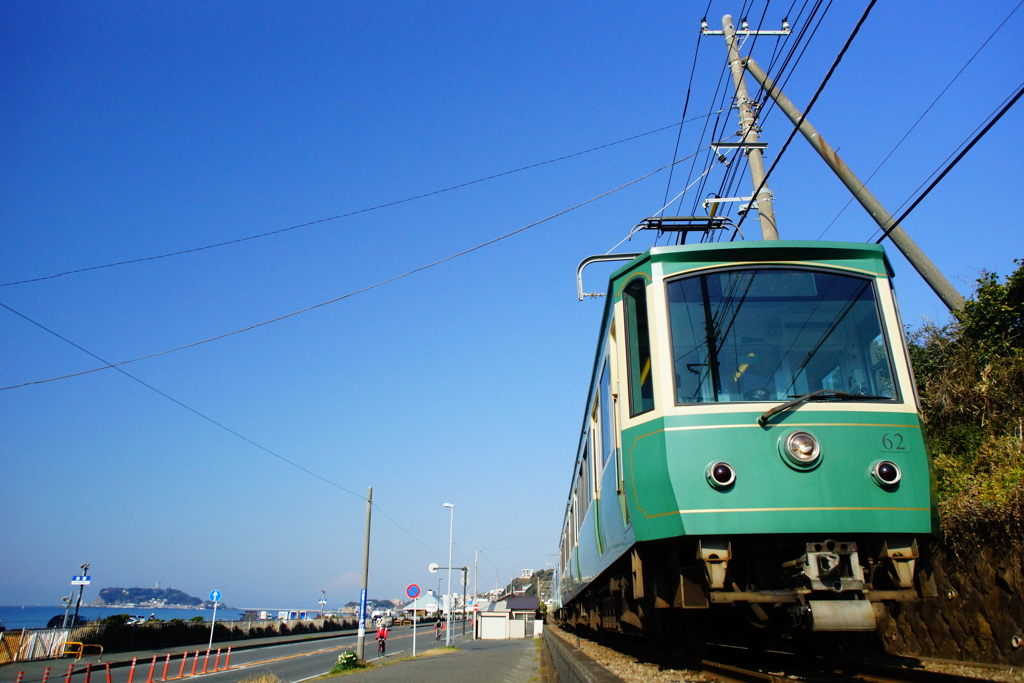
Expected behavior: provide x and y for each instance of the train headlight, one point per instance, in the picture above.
(720, 475)
(801, 449)
(886, 473)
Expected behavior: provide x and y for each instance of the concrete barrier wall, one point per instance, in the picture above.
(571, 665)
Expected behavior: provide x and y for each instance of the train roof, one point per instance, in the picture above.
(868, 259)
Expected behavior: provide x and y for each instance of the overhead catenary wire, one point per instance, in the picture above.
(814, 98)
(221, 425)
(358, 291)
(344, 215)
(1006, 106)
(924, 114)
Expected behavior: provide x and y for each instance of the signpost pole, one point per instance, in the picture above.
(413, 591)
(215, 596)
(81, 587)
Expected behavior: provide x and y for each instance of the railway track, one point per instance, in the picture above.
(730, 663)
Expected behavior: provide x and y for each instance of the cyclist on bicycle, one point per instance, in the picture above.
(437, 629)
(382, 639)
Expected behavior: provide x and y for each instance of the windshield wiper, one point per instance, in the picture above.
(819, 394)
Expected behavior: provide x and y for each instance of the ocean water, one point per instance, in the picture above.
(35, 616)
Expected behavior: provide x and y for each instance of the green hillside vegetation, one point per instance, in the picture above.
(970, 376)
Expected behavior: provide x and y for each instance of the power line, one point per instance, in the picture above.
(961, 155)
(517, 547)
(218, 424)
(344, 215)
(923, 114)
(821, 87)
(358, 291)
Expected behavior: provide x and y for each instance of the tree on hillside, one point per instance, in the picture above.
(970, 376)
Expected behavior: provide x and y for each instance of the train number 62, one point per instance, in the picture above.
(893, 442)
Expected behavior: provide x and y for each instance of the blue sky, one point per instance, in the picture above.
(130, 130)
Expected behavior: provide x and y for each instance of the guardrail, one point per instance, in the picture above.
(63, 650)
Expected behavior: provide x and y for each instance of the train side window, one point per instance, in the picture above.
(638, 348)
(607, 414)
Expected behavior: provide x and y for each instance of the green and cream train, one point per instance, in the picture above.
(752, 450)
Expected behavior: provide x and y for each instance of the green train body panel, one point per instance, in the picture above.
(666, 461)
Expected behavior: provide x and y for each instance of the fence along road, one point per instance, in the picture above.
(291, 662)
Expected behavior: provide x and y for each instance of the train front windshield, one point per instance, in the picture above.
(771, 334)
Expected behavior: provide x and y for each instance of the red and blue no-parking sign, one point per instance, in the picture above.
(413, 591)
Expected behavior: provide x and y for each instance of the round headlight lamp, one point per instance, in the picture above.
(886, 473)
(720, 475)
(801, 450)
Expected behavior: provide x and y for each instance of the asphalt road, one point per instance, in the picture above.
(291, 662)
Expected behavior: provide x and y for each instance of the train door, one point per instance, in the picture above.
(638, 375)
(594, 441)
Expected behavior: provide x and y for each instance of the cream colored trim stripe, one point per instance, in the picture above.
(821, 509)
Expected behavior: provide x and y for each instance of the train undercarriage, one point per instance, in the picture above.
(684, 592)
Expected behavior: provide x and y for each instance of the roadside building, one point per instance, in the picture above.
(514, 617)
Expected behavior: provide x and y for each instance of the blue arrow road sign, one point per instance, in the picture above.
(215, 596)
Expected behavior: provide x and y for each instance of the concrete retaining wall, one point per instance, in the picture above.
(572, 666)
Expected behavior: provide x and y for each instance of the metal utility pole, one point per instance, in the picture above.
(748, 132)
(935, 279)
(81, 587)
(361, 638)
(448, 598)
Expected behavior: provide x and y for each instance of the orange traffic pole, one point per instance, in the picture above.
(181, 671)
(227, 662)
(71, 670)
(167, 664)
(46, 675)
(108, 671)
(206, 660)
(216, 661)
(152, 666)
(88, 671)
(21, 675)
(195, 660)
(131, 671)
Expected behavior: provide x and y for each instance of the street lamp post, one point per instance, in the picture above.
(447, 602)
(67, 608)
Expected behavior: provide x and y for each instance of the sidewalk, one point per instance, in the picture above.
(495, 661)
(59, 667)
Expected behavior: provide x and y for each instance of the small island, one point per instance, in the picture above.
(149, 598)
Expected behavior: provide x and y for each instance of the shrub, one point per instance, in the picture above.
(115, 619)
(970, 376)
(347, 661)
